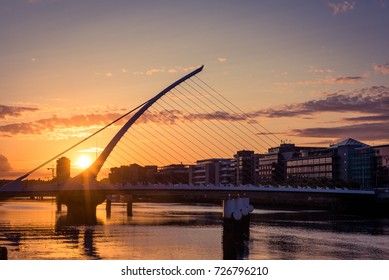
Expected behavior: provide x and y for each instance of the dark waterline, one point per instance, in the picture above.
(31, 229)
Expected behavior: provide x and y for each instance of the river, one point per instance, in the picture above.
(32, 229)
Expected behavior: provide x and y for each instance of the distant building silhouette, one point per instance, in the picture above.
(131, 174)
(150, 174)
(63, 169)
(382, 159)
(245, 165)
(317, 163)
(214, 171)
(357, 162)
(173, 174)
(349, 163)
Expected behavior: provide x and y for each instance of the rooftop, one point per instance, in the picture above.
(349, 142)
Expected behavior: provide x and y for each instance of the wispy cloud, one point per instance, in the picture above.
(156, 70)
(349, 79)
(381, 68)
(5, 167)
(321, 71)
(14, 111)
(221, 59)
(372, 103)
(365, 131)
(371, 100)
(219, 116)
(75, 126)
(338, 80)
(106, 74)
(342, 7)
(173, 116)
(91, 150)
(50, 124)
(374, 118)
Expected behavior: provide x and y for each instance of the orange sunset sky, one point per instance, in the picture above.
(312, 72)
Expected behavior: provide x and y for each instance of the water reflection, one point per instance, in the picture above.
(70, 234)
(325, 221)
(319, 235)
(288, 248)
(13, 239)
(89, 245)
(235, 239)
(33, 230)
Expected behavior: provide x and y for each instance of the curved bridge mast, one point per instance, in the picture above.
(81, 203)
(93, 170)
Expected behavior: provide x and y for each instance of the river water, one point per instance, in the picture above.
(31, 229)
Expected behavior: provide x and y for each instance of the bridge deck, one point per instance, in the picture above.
(53, 190)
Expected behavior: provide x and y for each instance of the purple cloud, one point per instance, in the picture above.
(161, 117)
(382, 68)
(349, 80)
(4, 165)
(342, 7)
(364, 132)
(13, 111)
(371, 100)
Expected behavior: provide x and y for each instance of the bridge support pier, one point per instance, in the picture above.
(81, 205)
(59, 206)
(108, 206)
(129, 205)
(236, 228)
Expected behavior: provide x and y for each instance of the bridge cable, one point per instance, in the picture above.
(172, 127)
(278, 172)
(197, 132)
(230, 122)
(162, 135)
(80, 142)
(241, 111)
(204, 139)
(224, 138)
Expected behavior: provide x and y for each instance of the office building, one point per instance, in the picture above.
(215, 171)
(127, 174)
(173, 174)
(245, 165)
(382, 160)
(63, 169)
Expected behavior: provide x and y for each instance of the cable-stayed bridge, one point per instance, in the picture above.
(185, 122)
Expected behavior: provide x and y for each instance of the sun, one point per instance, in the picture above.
(84, 162)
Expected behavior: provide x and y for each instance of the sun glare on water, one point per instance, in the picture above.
(84, 162)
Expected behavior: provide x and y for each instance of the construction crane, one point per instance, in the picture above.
(52, 171)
